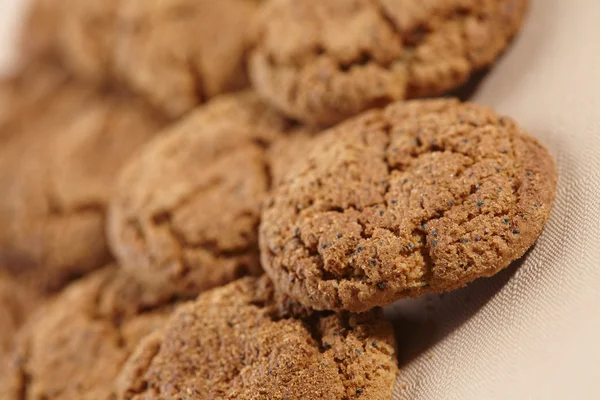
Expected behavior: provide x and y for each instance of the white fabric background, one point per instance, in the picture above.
(10, 18)
(533, 331)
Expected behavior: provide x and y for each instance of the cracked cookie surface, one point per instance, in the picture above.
(186, 213)
(27, 131)
(422, 196)
(74, 346)
(80, 34)
(179, 53)
(321, 61)
(56, 208)
(245, 341)
(25, 93)
(17, 302)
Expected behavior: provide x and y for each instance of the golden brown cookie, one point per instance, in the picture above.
(322, 61)
(187, 207)
(244, 341)
(179, 53)
(56, 212)
(26, 94)
(288, 150)
(79, 34)
(419, 197)
(39, 33)
(25, 130)
(74, 346)
(17, 302)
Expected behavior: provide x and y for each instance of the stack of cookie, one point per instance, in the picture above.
(214, 199)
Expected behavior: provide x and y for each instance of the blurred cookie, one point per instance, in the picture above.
(245, 341)
(322, 61)
(39, 34)
(74, 346)
(419, 197)
(187, 207)
(287, 151)
(56, 211)
(80, 34)
(22, 94)
(27, 128)
(179, 53)
(17, 302)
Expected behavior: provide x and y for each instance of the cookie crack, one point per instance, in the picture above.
(309, 323)
(56, 210)
(346, 361)
(471, 217)
(24, 377)
(424, 248)
(186, 199)
(388, 20)
(198, 79)
(210, 246)
(411, 39)
(165, 219)
(267, 169)
(144, 384)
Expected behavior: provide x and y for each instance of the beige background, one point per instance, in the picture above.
(532, 332)
(10, 18)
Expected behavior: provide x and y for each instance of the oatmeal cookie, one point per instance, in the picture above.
(422, 196)
(322, 61)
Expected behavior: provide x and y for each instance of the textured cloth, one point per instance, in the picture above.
(532, 331)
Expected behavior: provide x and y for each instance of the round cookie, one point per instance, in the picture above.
(17, 302)
(75, 345)
(80, 34)
(28, 127)
(186, 212)
(24, 93)
(419, 197)
(179, 53)
(321, 61)
(56, 211)
(244, 341)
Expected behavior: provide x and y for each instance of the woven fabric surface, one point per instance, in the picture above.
(531, 332)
